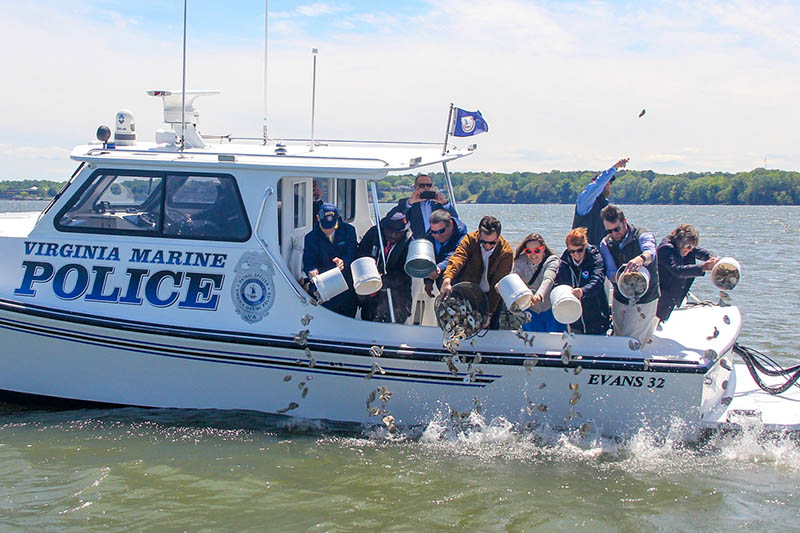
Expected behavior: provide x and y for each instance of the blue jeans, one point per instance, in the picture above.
(544, 322)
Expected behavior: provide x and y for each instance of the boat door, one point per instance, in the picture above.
(294, 220)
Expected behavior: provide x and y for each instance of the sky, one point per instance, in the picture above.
(560, 83)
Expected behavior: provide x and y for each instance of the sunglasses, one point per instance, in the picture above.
(530, 251)
(438, 231)
(490, 243)
(614, 230)
(424, 185)
(576, 251)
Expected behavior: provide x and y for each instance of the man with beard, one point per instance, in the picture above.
(445, 233)
(592, 200)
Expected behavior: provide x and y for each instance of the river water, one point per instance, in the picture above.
(149, 469)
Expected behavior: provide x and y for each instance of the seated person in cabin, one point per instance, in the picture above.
(482, 257)
(445, 233)
(332, 244)
(317, 194)
(677, 267)
(423, 201)
(394, 232)
(625, 244)
(537, 265)
(582, 268)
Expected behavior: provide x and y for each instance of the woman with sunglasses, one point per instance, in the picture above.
(537, 265)
(583, 269)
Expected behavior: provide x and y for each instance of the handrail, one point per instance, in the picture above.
(230, 138)
(95, 151)
(264, 246)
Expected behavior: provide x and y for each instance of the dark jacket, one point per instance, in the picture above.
(447, 249)
(375, 307)
(466, 264)
(592, 221)
(676, 274)
(589, 276)
(624, 251)
(414, 215)
(318, 253)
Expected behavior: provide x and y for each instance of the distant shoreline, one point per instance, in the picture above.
(757, 187)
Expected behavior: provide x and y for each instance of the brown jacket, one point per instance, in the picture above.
(466, 264)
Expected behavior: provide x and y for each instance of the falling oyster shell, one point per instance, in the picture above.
(634, 345)
(542, 385)
(301, 338)
(305, 392)
(575, 398)
(293, 405)
(371, 397)
(584, 429)
(301, 384)
(373, 411)
(573, 386)
(388, 420)
(376, 351)
(577, 370)
(386, 394)
(306, 319)
(542, 408)
(451, 366)
(528, 364)
(308, 353)
(287, 378)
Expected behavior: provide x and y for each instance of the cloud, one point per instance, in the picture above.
(560, 83)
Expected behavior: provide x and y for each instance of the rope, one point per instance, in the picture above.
(758, 362)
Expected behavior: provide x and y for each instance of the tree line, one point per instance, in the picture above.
(756, 187)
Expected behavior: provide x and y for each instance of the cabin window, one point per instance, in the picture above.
(111, 202)
(346, 198)
(299, 205)
(204, 207)
(175, 205)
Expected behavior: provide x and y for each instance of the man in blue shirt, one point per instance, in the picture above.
(625, 244)
(332, 244)
(423, 201)
(592, 200)
(445, 233)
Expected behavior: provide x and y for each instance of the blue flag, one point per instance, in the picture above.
(468, 123)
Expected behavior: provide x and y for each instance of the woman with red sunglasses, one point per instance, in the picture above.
(537, 265)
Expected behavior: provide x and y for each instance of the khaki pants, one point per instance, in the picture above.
(634, 320)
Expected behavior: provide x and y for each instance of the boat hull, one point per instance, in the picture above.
(118, 362)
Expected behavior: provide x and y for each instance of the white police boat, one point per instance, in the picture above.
(165, 274)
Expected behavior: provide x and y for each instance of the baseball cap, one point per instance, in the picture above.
(395, 221)
(328, 216)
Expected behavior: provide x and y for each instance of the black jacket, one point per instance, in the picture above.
(375, 307)
(676, 274)
(624, 251)
(589, 276)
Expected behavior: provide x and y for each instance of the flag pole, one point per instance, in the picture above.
(447, 130)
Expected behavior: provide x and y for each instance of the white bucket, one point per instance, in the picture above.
(726, 273)
(366, 278)
(330, 283)
(566, 307)
(421, 260)
(515, 292)
(633, 285)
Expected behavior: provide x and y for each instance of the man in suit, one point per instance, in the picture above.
(423, 201)
(394, 231)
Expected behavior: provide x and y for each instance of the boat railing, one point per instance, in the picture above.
(225, 156)
(279, 265)
(322, 142)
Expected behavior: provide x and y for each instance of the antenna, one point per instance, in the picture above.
(266, 26)
(183, 87)
(314, 53)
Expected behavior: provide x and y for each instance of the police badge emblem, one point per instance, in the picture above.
(467, 124)
(253, 290)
